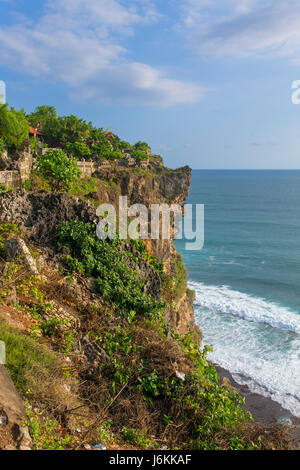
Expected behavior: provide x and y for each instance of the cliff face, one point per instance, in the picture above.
(159, 186)
(87, 344)
(41, 213)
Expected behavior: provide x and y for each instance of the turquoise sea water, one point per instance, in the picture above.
(247, 277)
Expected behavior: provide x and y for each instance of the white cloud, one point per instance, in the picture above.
(79, 43)
(243, 28)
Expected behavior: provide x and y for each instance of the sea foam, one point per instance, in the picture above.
(224, 300)
(256, 340)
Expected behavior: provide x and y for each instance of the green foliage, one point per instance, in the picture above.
(141, 247)
(104, 433)
(123, 145)
(13, 127)
(29, 364)
(139, 155)
(152, 385)
(2, 145)
(104, 260)
(176, 285)
(86, 185)
(80, 138)
(34, 145)
(78, 150)
(5, 189)
(118, 341)
(41, 115)
(143, 146)
(115, 155)
(58, 170)
(6, 230)
(136, 437)
(45, 432)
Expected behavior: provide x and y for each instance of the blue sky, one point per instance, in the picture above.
(205, 82)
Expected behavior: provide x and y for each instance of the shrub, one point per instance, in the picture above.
(45, 432)
(104, 260)
(78, 150)
(140, 155)
(143, 146)
(58, 170)
(13, 126)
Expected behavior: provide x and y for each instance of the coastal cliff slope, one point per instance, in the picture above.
(100, 336)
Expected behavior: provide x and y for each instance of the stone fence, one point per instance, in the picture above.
(21, 165)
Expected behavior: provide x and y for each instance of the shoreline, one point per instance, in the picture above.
(263, 409)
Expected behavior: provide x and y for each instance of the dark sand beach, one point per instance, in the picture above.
(263, 409)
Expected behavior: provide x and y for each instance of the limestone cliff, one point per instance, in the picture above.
(41, 213)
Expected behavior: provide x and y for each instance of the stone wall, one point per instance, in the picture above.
(87, 168)
(11, 179)
(19, 168)
(21, 164)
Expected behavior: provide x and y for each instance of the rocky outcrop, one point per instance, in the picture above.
(41, 213)
(161, 185)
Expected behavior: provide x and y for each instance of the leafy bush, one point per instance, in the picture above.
(34, 145)
(5, 189)
(78, 150)
(13, 126)
(143, 146)
(2, 145)
(45, 432)
(136, 437)
(141, 247)
(140, 155)
(58, 170)
(104, 260)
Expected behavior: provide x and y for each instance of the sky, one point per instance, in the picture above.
(207, 83)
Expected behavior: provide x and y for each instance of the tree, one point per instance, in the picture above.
(41, 115)
(57, 169)
(78, 150)
(116, 155)
(140, 155)
(13, 126)
(143, 146)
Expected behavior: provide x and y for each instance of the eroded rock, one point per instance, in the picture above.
(16, 247)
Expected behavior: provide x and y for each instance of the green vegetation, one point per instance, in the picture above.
(141, 247)
(6, 230)
(31, 366)
(139, 155)
(142, 146)
(80, 138)
(58, 170)
(45, 432)
(136, 437)
(13, 127)
(175, 285)
(105, 261)
(148, 377)
(4, 189)
(116, 361)
(190, 410)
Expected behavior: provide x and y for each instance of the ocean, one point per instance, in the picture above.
(247, 277)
